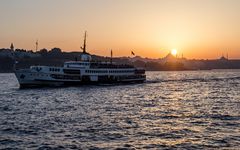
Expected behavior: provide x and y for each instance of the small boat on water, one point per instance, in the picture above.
(80, 72)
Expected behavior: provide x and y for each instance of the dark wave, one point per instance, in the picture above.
(192, 80)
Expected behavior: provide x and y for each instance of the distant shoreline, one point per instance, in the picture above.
(55, 57)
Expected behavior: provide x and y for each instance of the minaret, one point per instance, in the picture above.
(12, 47)
(84, 44)
(13, 55)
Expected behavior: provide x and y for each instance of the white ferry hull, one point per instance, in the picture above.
(28, 79)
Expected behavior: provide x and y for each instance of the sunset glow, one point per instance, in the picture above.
(174, 52)
(203, 29)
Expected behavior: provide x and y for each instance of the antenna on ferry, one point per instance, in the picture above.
(36, 45)
(111, 56)
(84, 44)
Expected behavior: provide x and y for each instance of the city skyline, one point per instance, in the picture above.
(198, 29)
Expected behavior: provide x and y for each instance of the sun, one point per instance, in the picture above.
(174, 52)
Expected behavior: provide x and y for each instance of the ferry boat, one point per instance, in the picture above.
(80, 72)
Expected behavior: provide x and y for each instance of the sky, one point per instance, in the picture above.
(199, 29)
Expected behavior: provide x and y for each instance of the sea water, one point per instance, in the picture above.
(188, 109)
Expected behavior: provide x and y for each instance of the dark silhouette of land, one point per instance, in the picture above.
(55, 57)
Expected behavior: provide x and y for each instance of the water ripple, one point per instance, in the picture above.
(172, 110)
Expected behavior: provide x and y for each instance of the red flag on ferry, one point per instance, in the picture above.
(132, 53)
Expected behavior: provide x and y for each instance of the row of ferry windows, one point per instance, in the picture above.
(54, 69)
(111, 71)
(96, 71)
(85, 64)
(120, 71)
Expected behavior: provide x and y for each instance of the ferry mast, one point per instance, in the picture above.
(84, 44)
